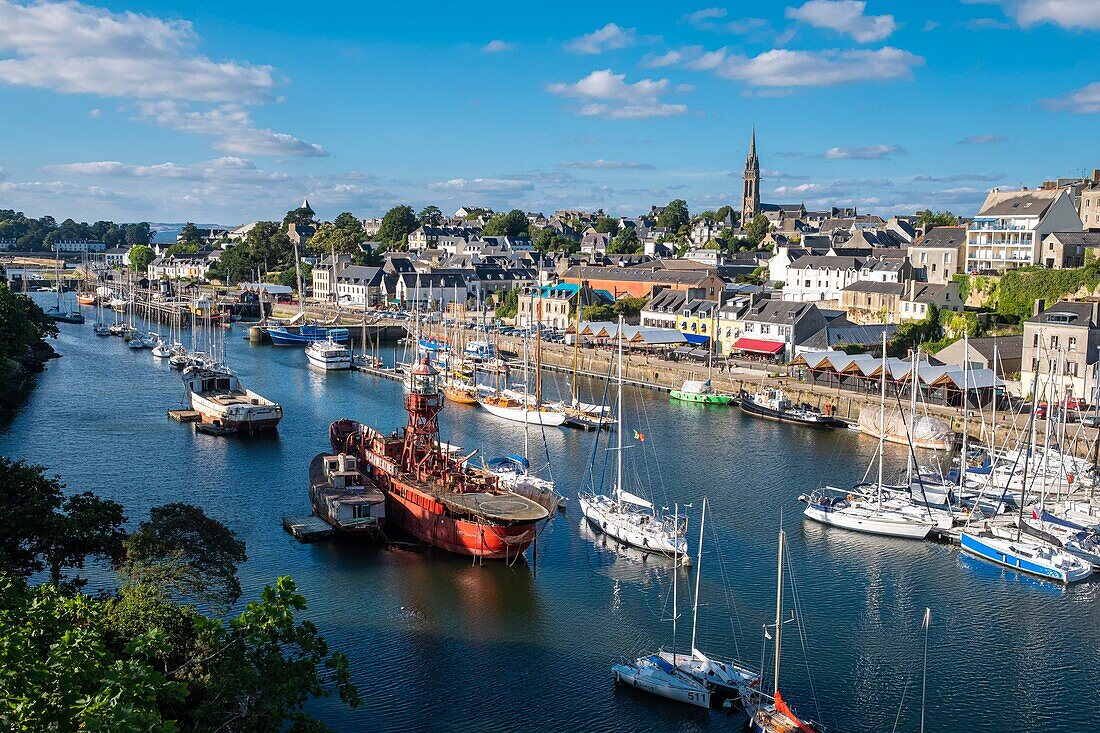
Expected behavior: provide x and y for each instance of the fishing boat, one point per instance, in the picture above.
(434, 495)
(218, 396)
(305, 334)
(328, 355)
(345, 497)
(693, 390)
(627, 517)
(874, 512)
(725, 680)
(772, 714)
(773, 404)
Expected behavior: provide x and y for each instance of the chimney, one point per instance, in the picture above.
(1040, 306)
(1096, 175)
(912, 290)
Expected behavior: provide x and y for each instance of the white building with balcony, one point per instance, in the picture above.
(1009, 229)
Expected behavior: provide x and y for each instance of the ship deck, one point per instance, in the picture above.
(507, 507)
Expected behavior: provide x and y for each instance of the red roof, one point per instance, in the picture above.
(760, 347)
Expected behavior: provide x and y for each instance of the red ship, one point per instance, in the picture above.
(433, 495)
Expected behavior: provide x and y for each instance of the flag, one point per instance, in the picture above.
(766, 634)
(640, 437)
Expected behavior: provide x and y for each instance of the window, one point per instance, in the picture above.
(1035, 365)
(1072, 343)
(1035, 341)
(1054, 342)
(765, 328)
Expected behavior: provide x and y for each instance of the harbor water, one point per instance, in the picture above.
(438, 643)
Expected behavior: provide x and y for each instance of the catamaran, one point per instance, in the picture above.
(627, 517)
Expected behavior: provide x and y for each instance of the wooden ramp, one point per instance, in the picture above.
(306, 527)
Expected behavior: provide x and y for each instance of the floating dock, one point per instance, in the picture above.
(185, 415)
(307, 527)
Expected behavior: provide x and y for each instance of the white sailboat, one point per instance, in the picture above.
(725, 679)
(871, 514)
(625, 516)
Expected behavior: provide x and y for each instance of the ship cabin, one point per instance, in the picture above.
(345, 497)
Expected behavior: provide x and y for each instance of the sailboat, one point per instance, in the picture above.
(459, 386)
(658, 675)
(725, 679)
(776, 716)
(526, 408)
(1009, 548)
(625, 516)
(581, 414)
(101, 327)
(55, 312)
(860, 512)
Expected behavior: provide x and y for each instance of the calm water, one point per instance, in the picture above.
(439, 644)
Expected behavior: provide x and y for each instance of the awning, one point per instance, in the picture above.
(760, 347)
(697, 339)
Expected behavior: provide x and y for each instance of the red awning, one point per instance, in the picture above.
(760, 347)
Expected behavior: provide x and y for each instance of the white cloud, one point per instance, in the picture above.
(785, 68)
(870, 152)
(845, 17)
(1084, 101)
(769, 173)
(95, 113)
(496, 46)
(960, 177)
(1065, 13)
(78, 49)
(745, 26)
(987, 139)
(702, 18)
(611, 97)
(231, 126)
(608, 38)
(930, 25)
(600, 163)
(669, 58)
(72, 48)
(483, 185)
(800, 188)
(228, 167)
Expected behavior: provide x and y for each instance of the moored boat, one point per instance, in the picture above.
(345, 497)
(306, 334)
(1028, 557)
(434, 495)
(218, 396)
(773, 404)
(702, 392)
(653, 674)
(328, 355)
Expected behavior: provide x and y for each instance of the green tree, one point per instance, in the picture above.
(182, 249)
(598, 312)
(511, 224)
(629, 307)
(509, 306)
(300, 217)
(625, 242)
(140, 256)
(606, 225)
(756, 230)
(187, 554)
(139, 233)
(189, 234)
(430, 216)
(397, 224)
(927, 218)
(288, 278)
(43, 530)
(674, 216)
(548, 240)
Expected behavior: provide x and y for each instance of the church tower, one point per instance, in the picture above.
(750, 200)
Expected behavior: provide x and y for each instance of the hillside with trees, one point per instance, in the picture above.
(38, 235)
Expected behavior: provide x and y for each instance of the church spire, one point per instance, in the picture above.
(750, 199)
(752, 144)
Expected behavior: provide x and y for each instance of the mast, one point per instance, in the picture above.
(298, 280)
(924, 681)
(577, 341)
(778, 610)
(619, 410)
(993, 421)
(965, 406)
(913, 382)
(1027, 453)
(538, 354)
(675, 583)
(698, 574)
(881, 424)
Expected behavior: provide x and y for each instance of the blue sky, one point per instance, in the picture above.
(229, 112)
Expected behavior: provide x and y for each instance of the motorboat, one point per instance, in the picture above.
(773, 404)
(328, 355)
(702, 392)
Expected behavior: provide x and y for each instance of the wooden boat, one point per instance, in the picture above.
(460, 392)
(509, 407)
(86, 298)
(345, 497)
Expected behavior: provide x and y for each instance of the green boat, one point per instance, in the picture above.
(700, 392)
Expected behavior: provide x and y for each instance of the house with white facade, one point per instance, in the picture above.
(77, 245)
(817, 278)
(1009, 229)
(360, 286)
(176, 267)
(430, 290)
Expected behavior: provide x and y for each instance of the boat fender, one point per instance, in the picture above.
(849, 497)
(1069, 478)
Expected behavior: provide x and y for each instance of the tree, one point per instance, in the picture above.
(300, 217)
(674, 216)
(512, 224)
(139, 233)
(625, 242)
(598, 312)
(288, 278)
(182, 551)
(756, 230)
(509, 306)
(40, 529)
(548, 240)
(629, 307)
(181, 248)
(189, 234)
(606, 225)
(397, 224)
(430, 216)
(140, 257)
(928, 219)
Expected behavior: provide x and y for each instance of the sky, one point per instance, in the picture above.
(234, 111)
